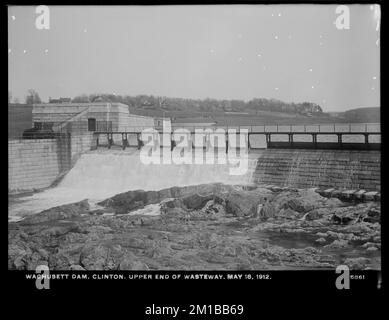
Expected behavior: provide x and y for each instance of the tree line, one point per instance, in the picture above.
(161, 103)
(150, 102)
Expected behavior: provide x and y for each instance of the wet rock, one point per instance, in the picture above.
(240, 204)
(196, 201)
(131, 262)
(200, 228)
(267, 211)
(356, 263)
(288, 213)
(333, 203)
(43, 253)
(368, 244)
(136, 243)
(98, 212)
(64, 212)
(373, 216)
(343, 217)
(230, 251)
(338, 244)
(213, 257)
(322, 234)
(76, 267)
(299, 205)
(315, 214)
(174, 203)
(100, 257)
(131, 200)
(178, 247)
(361, 228)
(321, 240)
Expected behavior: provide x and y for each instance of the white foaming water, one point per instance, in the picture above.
(100, 174)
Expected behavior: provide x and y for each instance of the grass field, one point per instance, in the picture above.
(19, 119)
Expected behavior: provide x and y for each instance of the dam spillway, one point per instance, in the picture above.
(100, 174)
(344, 169)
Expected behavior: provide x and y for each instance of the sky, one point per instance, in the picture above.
(293, 53)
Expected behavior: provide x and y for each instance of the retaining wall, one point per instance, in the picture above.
(37, 163)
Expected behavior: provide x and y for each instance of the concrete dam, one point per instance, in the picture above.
(344, 169)
(80, 165)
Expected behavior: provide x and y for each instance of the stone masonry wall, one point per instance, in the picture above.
(319, 168)
(37, 163)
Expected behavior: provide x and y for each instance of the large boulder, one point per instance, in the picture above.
(373, 215)
(267, 211)
(300, 205)
(193, 196)
(301, 201)
(317, 214)
(196, 201)
(241, 204)
(64, 212)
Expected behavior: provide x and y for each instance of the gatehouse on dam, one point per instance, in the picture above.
(57, 135)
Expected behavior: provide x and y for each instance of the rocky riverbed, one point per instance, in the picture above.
(204, 227)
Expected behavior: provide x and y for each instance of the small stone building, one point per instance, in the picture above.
(94, 116)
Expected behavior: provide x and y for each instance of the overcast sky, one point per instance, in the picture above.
(290, 52)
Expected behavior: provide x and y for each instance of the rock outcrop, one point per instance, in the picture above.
(200, 227)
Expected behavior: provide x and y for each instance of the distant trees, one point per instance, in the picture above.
(32, 97)
(9, 96)
(158, 103)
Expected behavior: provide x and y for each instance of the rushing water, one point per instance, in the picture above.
(100, 174)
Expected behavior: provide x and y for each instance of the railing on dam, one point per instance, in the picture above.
(279, 137)
(279, 128)
(325, 140)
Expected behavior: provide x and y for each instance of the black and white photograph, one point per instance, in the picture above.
(194, 138)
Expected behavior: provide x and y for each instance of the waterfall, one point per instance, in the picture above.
(100, 174)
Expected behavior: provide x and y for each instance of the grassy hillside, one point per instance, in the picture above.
(363, 115)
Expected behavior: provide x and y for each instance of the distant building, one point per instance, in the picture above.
(60, 100)
(91, 116)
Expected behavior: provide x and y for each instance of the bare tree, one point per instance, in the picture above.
(32, 97)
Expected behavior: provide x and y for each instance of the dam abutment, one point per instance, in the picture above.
(35, 164)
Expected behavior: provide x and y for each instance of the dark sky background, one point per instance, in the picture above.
(293, 53)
